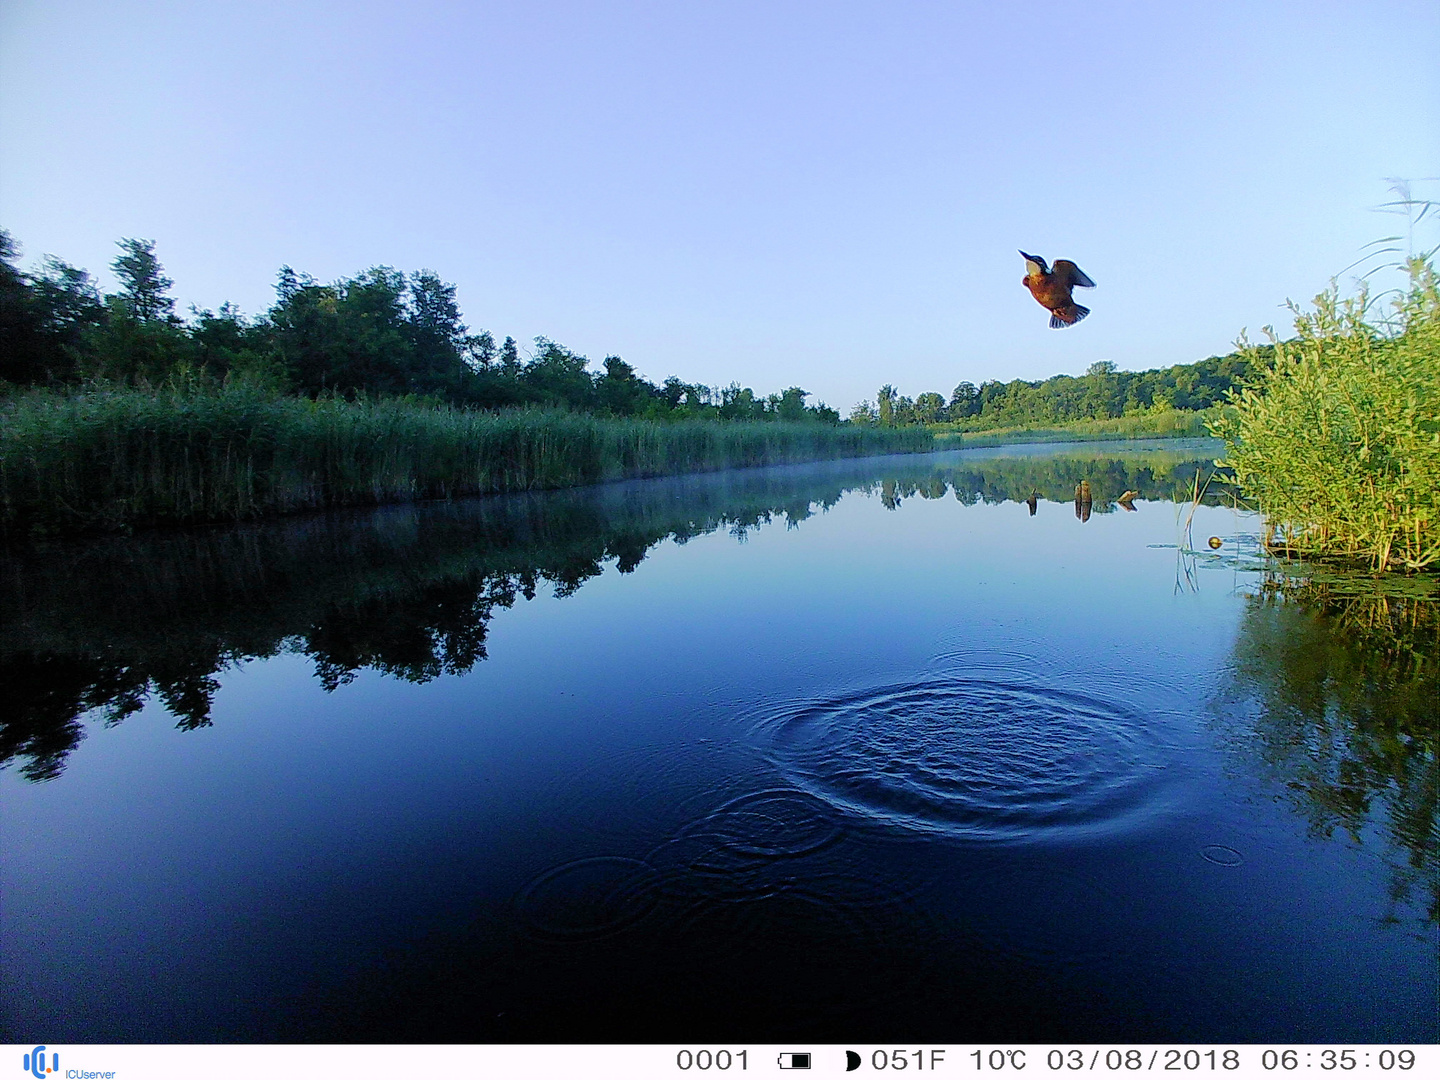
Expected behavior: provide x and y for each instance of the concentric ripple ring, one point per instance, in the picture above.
(589, 898)
(771, 824)
(974, 758)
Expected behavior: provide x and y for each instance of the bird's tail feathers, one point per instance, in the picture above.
(1067, 316)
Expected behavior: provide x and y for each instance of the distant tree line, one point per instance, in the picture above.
(381, 332)
(1101, 393)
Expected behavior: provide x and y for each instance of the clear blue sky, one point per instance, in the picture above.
(825, 194)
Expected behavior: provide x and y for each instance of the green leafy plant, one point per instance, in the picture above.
(1338, 437)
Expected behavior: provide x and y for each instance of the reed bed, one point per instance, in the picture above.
(1167, 424)
(123, 457)
(1339, 440)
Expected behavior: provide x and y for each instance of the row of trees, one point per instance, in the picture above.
(388, 332)
(1102, 392)
(380, 332)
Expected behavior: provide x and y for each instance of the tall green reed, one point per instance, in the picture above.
(119, 457)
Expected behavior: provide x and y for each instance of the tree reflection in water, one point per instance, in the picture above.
(95, 628)
(1340, 680)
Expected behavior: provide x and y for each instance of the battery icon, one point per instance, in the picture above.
(794, 1061)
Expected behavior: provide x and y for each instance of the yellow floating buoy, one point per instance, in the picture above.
(1214, 541)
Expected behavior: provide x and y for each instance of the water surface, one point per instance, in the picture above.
(846, 752)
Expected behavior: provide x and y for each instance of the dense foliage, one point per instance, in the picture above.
(1339, 438)
(380, 332)
(1102, 393)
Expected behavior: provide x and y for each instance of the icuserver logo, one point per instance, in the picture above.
(35, 1062)
(36, 1065)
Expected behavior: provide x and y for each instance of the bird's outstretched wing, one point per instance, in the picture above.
(1071, 274)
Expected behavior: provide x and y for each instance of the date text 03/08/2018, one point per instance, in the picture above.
(1087, 1059)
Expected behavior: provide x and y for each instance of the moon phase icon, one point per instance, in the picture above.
(852, 1061)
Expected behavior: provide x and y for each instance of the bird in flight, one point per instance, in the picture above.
(1052, 287)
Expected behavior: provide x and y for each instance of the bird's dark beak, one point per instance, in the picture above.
(1028, 258)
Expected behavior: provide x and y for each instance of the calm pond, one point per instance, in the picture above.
(865, 750)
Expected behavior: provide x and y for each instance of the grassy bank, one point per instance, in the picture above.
(1168, 424)
(1339, 439)
(119, 458)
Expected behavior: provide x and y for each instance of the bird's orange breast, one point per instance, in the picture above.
(1049, 292)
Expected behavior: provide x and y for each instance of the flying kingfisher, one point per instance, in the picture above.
(1051, 287)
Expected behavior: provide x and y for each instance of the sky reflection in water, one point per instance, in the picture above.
(859, 750)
